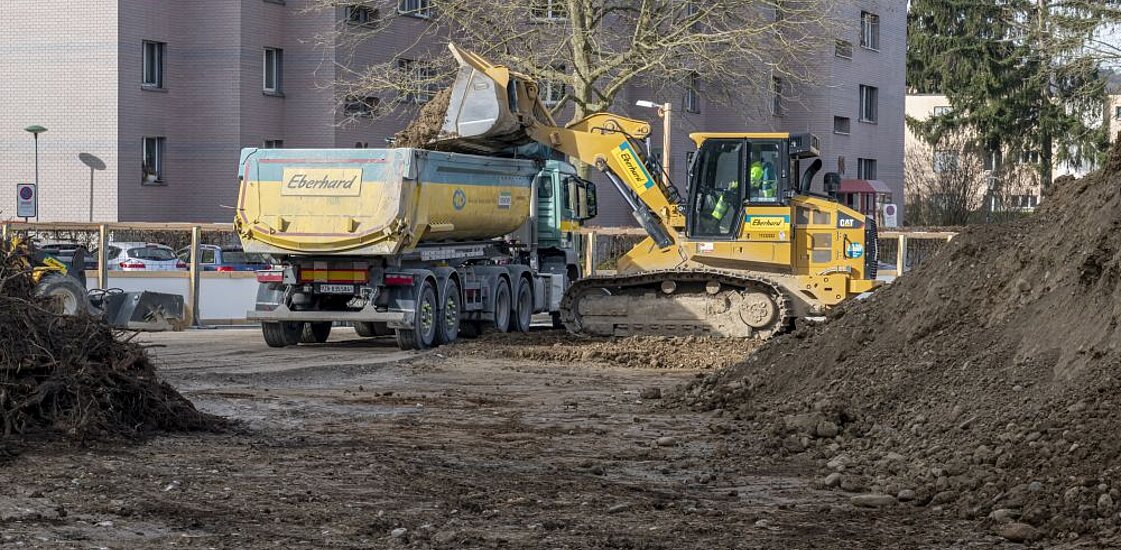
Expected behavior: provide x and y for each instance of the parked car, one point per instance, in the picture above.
(136, 256)
(64, 252)
(226, 258)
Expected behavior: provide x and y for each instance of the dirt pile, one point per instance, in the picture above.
(650, 352)
(427, 124)
(986, 384)
(72, 375)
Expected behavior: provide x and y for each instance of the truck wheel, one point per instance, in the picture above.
(449, 316)
(423, 333)
(523, 314)
(369, 330)
(279, 335)
(315, 333)
(64, 294)
(502, 306)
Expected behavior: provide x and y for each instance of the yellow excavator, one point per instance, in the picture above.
(744, 253)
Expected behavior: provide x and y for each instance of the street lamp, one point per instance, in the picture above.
(665, 111)
(35, 130)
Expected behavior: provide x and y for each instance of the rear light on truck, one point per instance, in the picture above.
(270, 276)
(398, 279)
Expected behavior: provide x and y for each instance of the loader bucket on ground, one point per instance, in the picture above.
(144, 311)
(490, 107)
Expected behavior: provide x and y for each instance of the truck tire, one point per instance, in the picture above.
(64, 294)
(448, 325)
(423, 333)
(502, 306)
(282, 334)
(523, 311)
(369, 330)
(315, 333)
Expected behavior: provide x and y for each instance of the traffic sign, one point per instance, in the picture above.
(27, 200)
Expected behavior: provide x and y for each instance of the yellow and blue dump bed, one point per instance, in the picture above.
(376, 201)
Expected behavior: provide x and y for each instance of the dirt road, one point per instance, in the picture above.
(355, 444)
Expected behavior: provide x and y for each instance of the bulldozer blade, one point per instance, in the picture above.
(144, 311)
(490, 107)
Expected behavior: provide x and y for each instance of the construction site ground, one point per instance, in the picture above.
(355, 444)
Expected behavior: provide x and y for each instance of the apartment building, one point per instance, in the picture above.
(148, 103)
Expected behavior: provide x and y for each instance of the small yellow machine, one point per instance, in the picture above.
(63, 289)
(746, 251)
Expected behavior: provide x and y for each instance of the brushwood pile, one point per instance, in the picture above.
(986, 384)
(75, 376)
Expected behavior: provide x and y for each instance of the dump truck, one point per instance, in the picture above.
(408, 242)
(748, 250)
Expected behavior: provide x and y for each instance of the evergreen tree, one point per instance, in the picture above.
(1022, 76)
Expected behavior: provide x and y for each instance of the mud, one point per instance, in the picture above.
(354, 444)
(650, 352)
(427, 124)
(983, 386)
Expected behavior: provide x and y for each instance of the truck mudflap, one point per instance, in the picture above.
(141, 311)
(394, 319)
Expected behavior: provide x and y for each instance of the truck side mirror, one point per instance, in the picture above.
(590, 194)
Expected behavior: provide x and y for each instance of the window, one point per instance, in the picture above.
(945, 161)
(420, 79)
(153, 152)
(780, 13)
(415, 8)
(361, 106)
(274, 70)
(548, 10)
(942, 110)
(153, 64)
(842, 125)
(869, 103)
(361, 15)
(866, 169)
(869, 30)
(273, 144)
(552, 91)
(843, 49)
(1030, 157)
(1025, 202)
(1117, 113)
(777, 108)
(692, 100)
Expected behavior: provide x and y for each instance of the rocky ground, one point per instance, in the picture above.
(355, 444)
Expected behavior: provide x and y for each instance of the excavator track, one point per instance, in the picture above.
(677, 302)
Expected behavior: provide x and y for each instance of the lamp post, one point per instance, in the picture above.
(35, 131)
(665, 112)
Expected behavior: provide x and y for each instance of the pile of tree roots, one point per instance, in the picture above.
(76, 376)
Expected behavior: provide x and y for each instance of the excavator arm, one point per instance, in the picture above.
(493, 109)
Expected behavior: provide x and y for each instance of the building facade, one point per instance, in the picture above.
(148, 103)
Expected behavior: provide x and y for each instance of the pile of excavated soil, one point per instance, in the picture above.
(427, 124)
(985, 384)
(73, 375)
(649, 352)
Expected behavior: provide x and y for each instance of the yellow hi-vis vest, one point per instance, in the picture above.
(722, 205)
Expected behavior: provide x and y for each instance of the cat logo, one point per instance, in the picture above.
(845, 221)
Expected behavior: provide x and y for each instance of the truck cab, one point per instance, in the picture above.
(564, 202)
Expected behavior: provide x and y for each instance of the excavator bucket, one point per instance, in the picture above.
(143, 311)
(490, 107)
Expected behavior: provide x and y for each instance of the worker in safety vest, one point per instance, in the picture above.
(724, 201)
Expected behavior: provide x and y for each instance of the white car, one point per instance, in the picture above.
(137, 256)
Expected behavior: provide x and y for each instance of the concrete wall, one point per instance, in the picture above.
(58, 69)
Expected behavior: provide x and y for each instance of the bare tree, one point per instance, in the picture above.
(950, 182)
(586, 52)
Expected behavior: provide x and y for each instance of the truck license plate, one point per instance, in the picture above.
(336, 289)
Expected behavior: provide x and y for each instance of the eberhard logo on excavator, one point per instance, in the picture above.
(724, 259)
